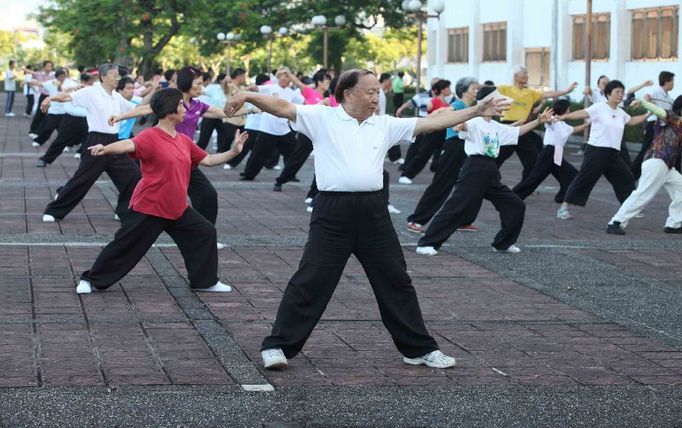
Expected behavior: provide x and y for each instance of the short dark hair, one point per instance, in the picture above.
(348, 80)
(665, 77)
(165, 102)
(677, 106)
(613, 84)
(489, 83)
(60, 72)
(207, 76)
(440, 86)
(262, 78)
(185, 77)
(168, 74)
(384, 77)
(220, 78)
(484, 91)
(47, 61)
(29, 67)
(601, 77)
(123, 71)
(321, 75)
(401, 74)
(237, 72)
(123, 82)
(86, 77)
(561, 106)
(11, 62)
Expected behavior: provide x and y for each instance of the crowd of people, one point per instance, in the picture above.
(345, 122)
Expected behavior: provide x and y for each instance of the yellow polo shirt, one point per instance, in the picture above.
(524, 100)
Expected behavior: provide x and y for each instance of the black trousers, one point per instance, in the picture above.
(398, 100)
(248, 145)
(121, 169)
(431, 143)
(300, 154)
(527, 150)
(263, 149)
(73, 130)
(49, 124)
(443, 181)
(313, 191)
(345, 223)
(636, 165)
(394, 153)
(226, 137)
(38, 117)
(195, 237)
(206, 130)
(203, 195)
(544, 166)
(479, 179)
(600, 161)
(30, 99)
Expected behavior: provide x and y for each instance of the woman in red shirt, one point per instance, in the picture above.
(159, 202)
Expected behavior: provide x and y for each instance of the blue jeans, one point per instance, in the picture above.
(10, 102)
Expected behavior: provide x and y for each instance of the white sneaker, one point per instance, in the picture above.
(512, 249)
(427, 251)
(218, 287)
(392, 209)
(308, 201)
(276, 167)
(220, 246)
(435, 359)
(76, 155)
(34, 144)
(10, 114)
(48, 218)
(32, 135)
(563, 214)
(116, 217)
(400, 161)
(56, 195)
(227, 166)
(66, 150)
(309, 209)
(83, 287)
(274, 359)
(404, 180)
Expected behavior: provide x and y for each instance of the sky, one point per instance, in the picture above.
(14, 12)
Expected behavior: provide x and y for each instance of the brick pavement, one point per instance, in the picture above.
(490, 311)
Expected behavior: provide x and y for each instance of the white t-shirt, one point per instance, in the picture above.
(100, 106)
(52, 90)
(484, 137)
(272, 124)
(10, 81)
(557, 133)
(26, 86)
(382, 101)
(597, 96)
(607, 125)
(349, 156)
(421, 103)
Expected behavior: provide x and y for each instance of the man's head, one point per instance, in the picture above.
(666, 80)
(401, 74)
(189, 81)
(520, 75)
(358, 89)
(238, 76)
(169, 75)
(61, 74)
(561, 106)
(466, 87)
(167, 104)
(108, 75)
(125, 87)
(602, 82)
(261, 79)
(11, 63)
(87, 79)
(385, 81)
(283, 77)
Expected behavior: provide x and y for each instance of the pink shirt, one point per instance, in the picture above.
(311, 96)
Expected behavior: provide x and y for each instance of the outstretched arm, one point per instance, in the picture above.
(580, 128)
(450, 118)
(117, 148)
(400, 110)
(141, 110)
(578, 114)
(60, 98)
(220, 158)
(556, 94)
(269, 104)
(638, 87)
(636, 120)
(546, 116)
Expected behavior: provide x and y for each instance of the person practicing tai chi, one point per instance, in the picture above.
(351, 217)
(159, 201)
(658, 170)
(479, 179)
(602, 154)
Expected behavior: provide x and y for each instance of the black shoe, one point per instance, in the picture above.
(295, 180)
(673, 230)
(41, 163)
(245, 179)
(615, 229)
(277, 187)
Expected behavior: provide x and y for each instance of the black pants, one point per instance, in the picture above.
(443, 181)
(345, 223)
(49, 124)
(544, 166)
(248, 145)
(412, 151)
(301, 152)
(313, 191)
(479, 179)
(30, 99)
(203, 195)
(73, 130)
(398, 100)
(206, 130)
(636, 165)
(121, 169)
(431, 143)
(600, 161)
(195, 237)
(527, 150)
(394, 153)
(263, 149)
(226, 137)
(38, 117)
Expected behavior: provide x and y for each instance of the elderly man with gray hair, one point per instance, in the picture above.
(523, 100)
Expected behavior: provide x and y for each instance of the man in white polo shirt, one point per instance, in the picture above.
(351, 217)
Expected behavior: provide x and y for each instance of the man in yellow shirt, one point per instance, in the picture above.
(524, 98)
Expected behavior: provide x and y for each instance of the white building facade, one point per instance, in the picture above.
(633, 40)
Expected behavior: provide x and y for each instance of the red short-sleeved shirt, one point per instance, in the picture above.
(438, 104)
(165, 162)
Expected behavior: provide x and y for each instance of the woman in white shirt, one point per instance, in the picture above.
(351, 217)
(602, 155)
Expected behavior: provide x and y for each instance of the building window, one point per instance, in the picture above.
(495, 41)
(458, 44)
(654, 33)
(537, 64)
(601, 36)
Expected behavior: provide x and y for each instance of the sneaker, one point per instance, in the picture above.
(41, 163)
(220, 246)
(308, 201)
(615, 229)
(227, 166)
(277, 187)
(404, 180)
(276, 167)
(76, 155)
(467, 228)
(10, 114)
(563, 214)
(66, 150)
(392, 209)
(295, 180)
(435, 359)
(217, 287)
(84, 287)
(47, 218)
(513, 249)
(34, 144)
(274, 359)
(400, 161)
(427, 251)
(309, 209)
(244, 178)
(32, 135)
(415, 227)
(672, 229)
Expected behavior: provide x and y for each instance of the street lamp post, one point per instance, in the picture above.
(228, 39)
(321, 21)
(414, 7)
(266, 31)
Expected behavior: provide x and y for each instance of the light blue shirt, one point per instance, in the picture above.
(215, 96)
(457, 105)
(126, 127)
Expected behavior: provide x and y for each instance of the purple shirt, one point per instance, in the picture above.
(193, 113)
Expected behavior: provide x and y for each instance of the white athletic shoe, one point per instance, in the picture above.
(564, 214)
(218, 287)
(392, 209)
(274, 359)
(66, 150)
(32, 135)
(404, 180)
(227, 166)
(116, 217)
(400, 161)
(10, 114)
(276, 167)
(309, 209)
(34, 144)
(435, 359)
(76, 155)
(220, 246)
(48, 218)
(513, 249)
(83, 287)
(427, 251)
(308, 201)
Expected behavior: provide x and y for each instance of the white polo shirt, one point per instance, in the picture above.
(382, 102)
(349, 156)
(557, 133)
(272, 124)
(100, 107)
(484, 138)
(607, 125)
(52, 90)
